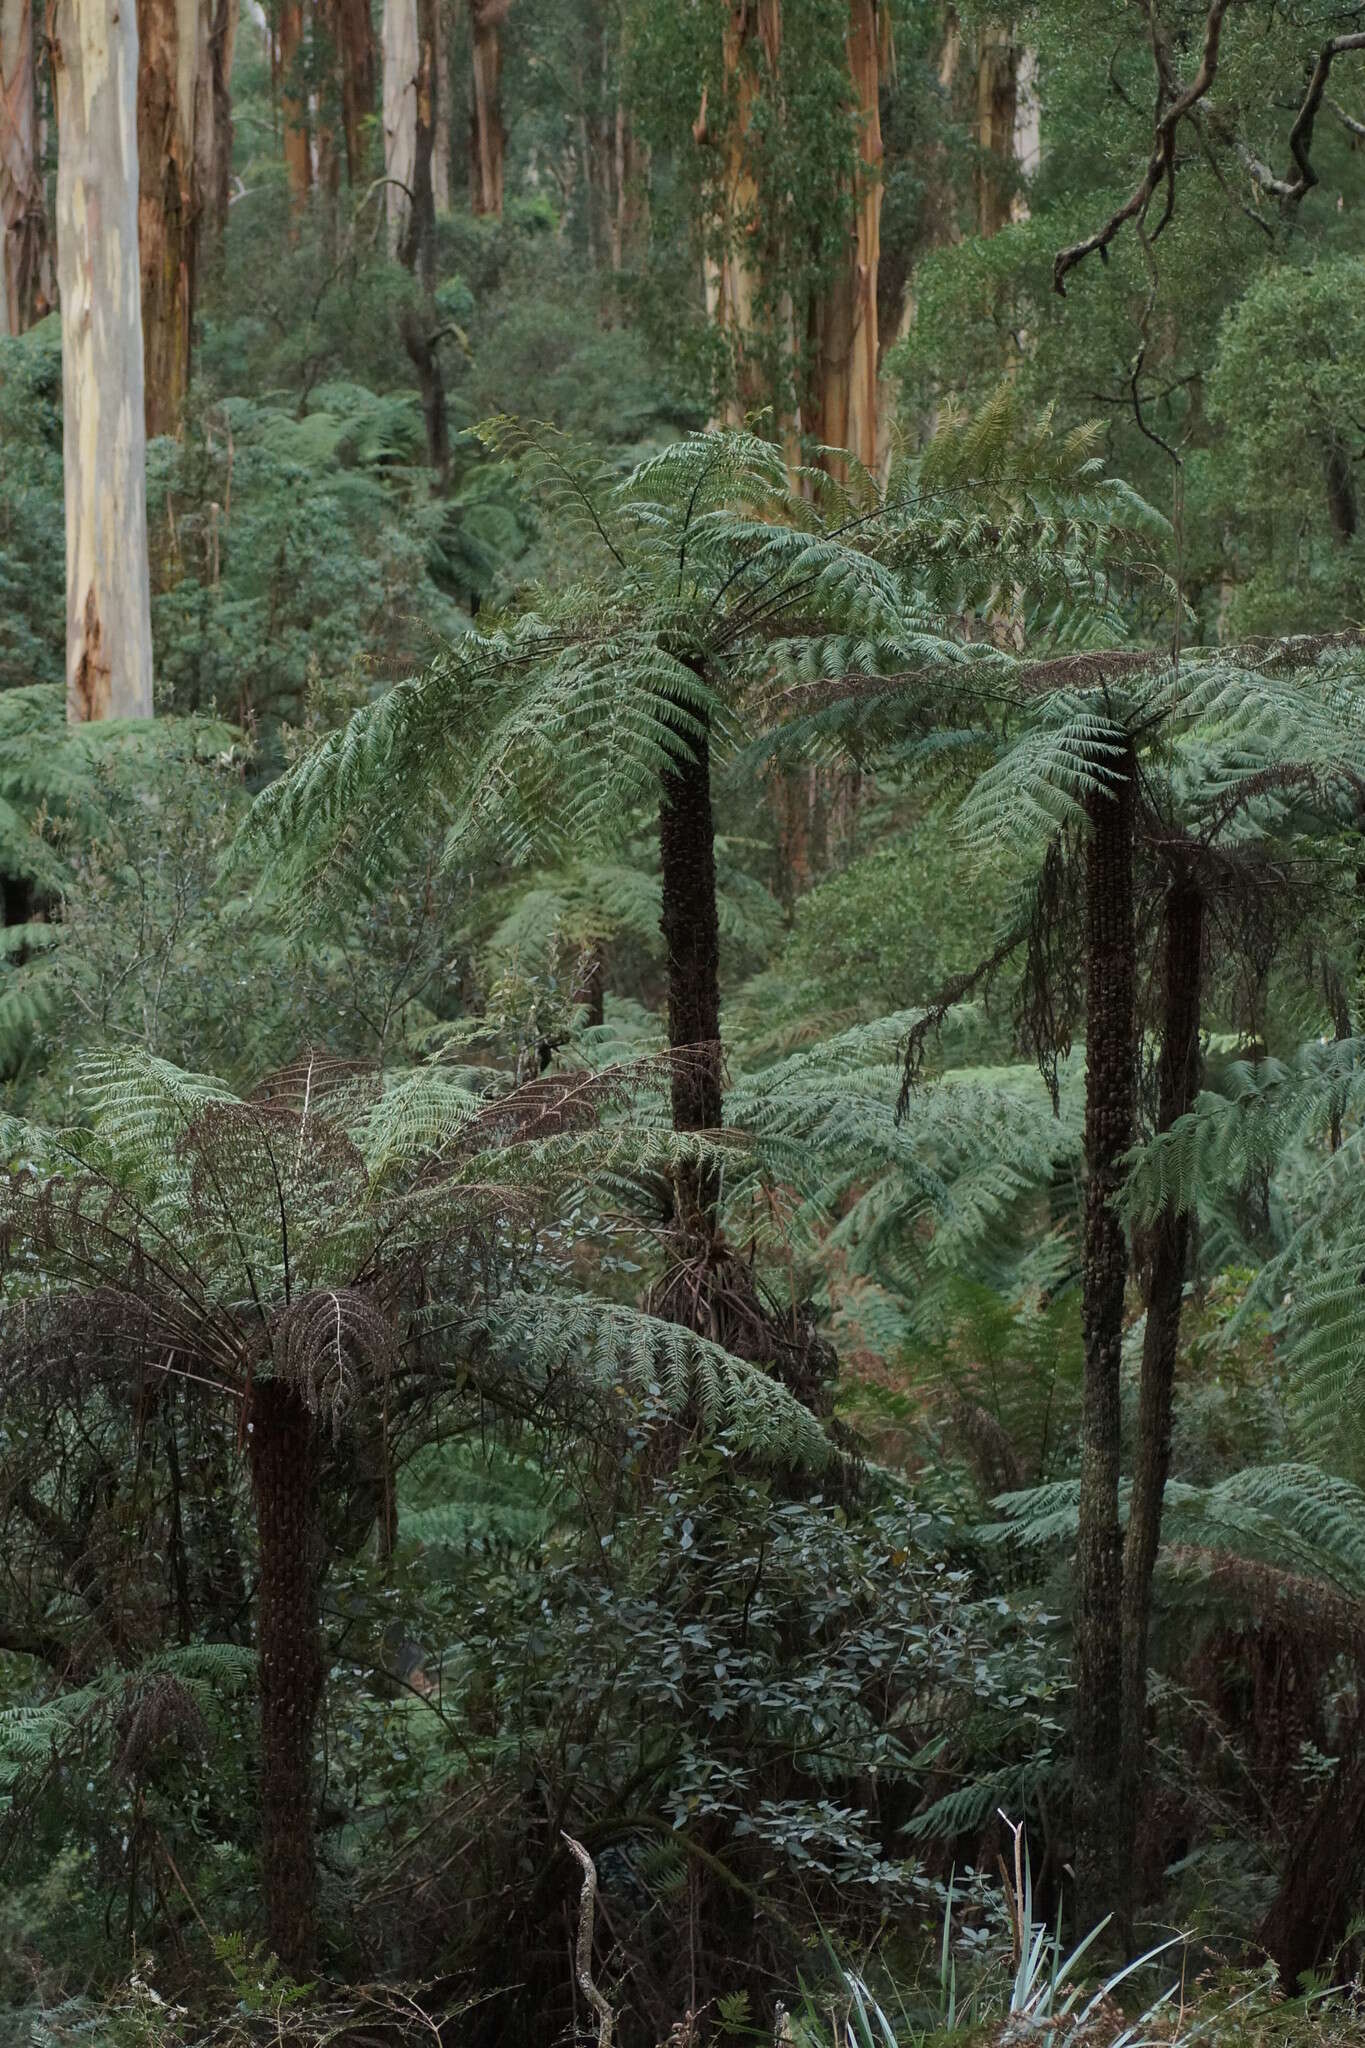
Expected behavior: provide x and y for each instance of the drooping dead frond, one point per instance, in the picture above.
(332, 1343)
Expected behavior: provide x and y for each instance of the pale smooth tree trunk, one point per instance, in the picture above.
(487, 137)
(26, 284)
(402, 57)
(1008, 131)
(108, 609)
(176, 139)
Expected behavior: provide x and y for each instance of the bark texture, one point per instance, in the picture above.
(284, 1474)
(487, 137)
(1168, 1255)
(751, 52)
(177, 137)
(847, 399)
(298, 155)
(418, 246)
(353, 36)
(1110, 1104)
(222, 44)
(997, 99)
(423, 351)
(108, 606)
(27, 290)
(401, 60)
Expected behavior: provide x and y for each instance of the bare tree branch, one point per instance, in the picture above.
(1175, 103)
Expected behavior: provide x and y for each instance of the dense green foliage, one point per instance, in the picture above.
(701, 1491)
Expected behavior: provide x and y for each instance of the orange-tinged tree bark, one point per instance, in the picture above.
(177, 135)
(108, 606)
(487, 137)
(751, 52)
(298, 160)
(357, 64)
(846, 400)
(26, 283)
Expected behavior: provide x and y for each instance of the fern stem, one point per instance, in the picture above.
(1110, 1106)
(691, 930)
(1177, 1087)
(284, 1471)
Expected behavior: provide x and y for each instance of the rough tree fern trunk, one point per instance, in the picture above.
(1110, 1088)
(1178, 1083)
(692, 936)
(284, 1471)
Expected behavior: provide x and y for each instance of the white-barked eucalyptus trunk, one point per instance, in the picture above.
(108, 610)
(401, 59)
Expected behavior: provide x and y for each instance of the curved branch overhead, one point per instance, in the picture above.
(1176, 103)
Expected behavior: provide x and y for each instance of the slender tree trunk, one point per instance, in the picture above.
(691, 932)
(27, 291)
(284, 1472)
(442, 190)
(401, 60)
(1110, 1091)
(418, 248)
(847, 403)
(298, 156)
(353, 33)
(1342, 509)
(175, 138)
(630, 213)
(997, 93)
(422, 350)
(487, 138)
(108, 604)
(217, 187)
(1177, 1087)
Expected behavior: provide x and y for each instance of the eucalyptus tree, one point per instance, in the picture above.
(108, 601)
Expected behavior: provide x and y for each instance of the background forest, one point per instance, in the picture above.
(682, 775)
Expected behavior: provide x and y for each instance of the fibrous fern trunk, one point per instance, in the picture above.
(284, 1472)
(1177, 1086)
(1110, 1103)
(691, 932)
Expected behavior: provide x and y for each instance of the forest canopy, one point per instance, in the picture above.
(682, 1023)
